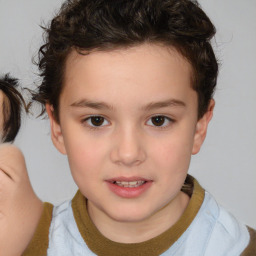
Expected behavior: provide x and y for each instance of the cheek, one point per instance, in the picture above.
(83, 166)
(84, 154)
(174, 152)
(175, 158)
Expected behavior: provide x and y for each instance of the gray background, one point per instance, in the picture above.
(226, 165)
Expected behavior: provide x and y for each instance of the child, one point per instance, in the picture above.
(10, 108)
(20, 209)
(128, 88)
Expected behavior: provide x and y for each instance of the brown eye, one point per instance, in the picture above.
(96, 121)
(159, 121)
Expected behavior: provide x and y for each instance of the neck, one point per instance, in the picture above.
(139, 231)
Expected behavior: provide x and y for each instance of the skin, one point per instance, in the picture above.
(1, 114)
(20, 208)
(135, 85)
(4, 106)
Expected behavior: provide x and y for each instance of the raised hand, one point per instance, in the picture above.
(20, 208)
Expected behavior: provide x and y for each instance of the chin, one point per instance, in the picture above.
(128, 215)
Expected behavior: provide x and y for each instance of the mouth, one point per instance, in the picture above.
(129, 184)
(129, 187)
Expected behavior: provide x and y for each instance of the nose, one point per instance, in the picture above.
(128, 148)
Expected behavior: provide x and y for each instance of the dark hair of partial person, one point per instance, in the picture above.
(11, 107)
(104, 25)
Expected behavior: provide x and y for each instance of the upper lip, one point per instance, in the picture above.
(127, 179)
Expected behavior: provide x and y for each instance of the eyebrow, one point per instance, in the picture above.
(85, 103)
(164, 104)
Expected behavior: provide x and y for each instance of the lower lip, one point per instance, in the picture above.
(126, 192)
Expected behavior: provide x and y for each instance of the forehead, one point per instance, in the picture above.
(146, 70)
(144, 55)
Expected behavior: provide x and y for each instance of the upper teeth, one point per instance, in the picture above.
(129, 184)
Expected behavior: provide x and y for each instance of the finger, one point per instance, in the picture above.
(7, 187)
(5, 180)
(12, 162)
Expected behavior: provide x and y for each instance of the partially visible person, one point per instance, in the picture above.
(20, 209)
(11, 102)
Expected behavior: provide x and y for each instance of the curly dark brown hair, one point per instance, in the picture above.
(86, 25)
(11, 107)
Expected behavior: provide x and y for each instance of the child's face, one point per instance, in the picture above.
(129, 115)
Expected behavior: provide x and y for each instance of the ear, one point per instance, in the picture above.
(56, 133)
(201, 128)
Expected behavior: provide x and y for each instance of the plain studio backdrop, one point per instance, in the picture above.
(226, 165)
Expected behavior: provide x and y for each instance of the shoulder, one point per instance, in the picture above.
(213, 230)
(227, 236)
(251, 248)
(65, 237)
(57, 233)
(53, 228)
(40, 240)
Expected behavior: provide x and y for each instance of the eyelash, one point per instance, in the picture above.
(95, 127)
(168, 119)
(91, 126)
